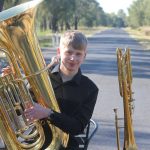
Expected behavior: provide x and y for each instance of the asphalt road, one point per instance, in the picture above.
(101, 66)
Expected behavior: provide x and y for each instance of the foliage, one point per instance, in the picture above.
(66, 14)
(139, 13)
(59, 15)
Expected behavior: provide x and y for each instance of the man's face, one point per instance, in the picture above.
(71, 59)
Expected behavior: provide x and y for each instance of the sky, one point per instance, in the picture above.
(110, 6)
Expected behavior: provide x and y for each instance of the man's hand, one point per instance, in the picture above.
(6, 71)
(55, 60)
(37, 112)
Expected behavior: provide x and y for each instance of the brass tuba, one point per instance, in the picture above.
(125, 86)
(19, 42)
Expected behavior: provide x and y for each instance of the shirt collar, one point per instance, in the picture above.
(55, 69)
(76, 79)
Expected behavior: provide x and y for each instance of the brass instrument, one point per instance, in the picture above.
(125, 82)
(19, 42)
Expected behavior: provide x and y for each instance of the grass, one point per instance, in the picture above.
(142, 34)
(90, 31)
(46, 40)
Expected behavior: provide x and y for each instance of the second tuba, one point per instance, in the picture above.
(19, 42)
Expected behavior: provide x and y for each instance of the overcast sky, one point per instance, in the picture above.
(110, 6)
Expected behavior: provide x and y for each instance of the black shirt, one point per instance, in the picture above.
(76, 99)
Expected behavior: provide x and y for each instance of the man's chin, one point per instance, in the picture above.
(71, 69)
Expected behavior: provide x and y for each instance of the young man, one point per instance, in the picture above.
(76, 94)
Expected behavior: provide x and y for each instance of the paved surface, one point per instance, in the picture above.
(101, 66)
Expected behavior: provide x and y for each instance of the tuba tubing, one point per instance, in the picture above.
(18, 40)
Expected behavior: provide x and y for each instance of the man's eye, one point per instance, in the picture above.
(78, 54)
(68, 52)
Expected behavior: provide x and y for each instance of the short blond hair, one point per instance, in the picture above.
(74, 39)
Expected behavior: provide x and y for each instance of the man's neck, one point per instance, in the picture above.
(66, 75)
(67, 72)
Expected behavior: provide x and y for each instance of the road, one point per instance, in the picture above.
(101, 66)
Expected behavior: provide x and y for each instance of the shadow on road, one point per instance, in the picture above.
(102, 61)
(106, 135)
(102, 54)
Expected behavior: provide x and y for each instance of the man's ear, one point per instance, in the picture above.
(85, 54)
(58, 52)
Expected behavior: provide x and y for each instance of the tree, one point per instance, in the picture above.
(11, 3)
(139, 13)
(92, 14)
(121, 18)
(1, 5)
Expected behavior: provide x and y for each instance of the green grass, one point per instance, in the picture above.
(142, 34)
(45, 37)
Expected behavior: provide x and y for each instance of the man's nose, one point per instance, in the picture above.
(72, 57)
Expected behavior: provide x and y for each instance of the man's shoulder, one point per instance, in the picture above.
(88, 82)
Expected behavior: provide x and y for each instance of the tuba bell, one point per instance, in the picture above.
(19, 42)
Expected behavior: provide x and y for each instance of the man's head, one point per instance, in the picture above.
(74, 39)
(72, 51)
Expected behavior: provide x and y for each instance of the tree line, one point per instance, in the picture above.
(59, 15)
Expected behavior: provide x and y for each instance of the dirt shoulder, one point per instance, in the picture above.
(142, 34)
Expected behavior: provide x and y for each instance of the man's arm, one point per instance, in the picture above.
(76, 123)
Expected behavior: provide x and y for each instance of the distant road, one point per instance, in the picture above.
(101, 66)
